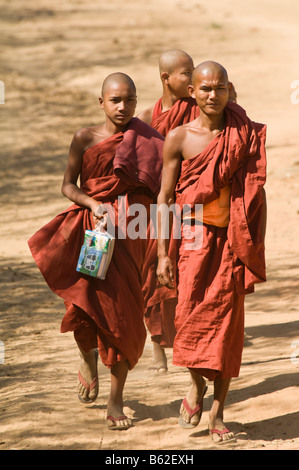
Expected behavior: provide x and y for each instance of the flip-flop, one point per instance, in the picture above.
(191, 412)
(220, 433)
(88, 386)
(114, 426)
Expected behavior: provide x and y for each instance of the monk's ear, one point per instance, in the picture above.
(101, 101)
(232, 94)
(165, 77)
(191, 91)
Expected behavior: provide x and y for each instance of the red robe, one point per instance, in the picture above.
(183, 111)
(160, 302)
(213, 279)
(108, 311)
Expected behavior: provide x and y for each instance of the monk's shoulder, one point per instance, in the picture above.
(174, 140)
(177, 133)
(85, 136)
(82, 135)
(146, 115)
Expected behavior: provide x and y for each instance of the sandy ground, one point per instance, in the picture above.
(54, 58)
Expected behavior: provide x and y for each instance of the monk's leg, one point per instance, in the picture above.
(193, 398)
(221, 387)
(119, 374)
(159, 320)
(159, 365)
(86, 339)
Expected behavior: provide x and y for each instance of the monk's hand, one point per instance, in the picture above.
(165, 272)
(100, 216)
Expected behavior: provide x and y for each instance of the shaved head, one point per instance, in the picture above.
(210, 88)
(206, 68)
(116, 79)
(172, 59)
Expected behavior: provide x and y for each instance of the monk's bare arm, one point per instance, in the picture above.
(166, 197)
(69, 186)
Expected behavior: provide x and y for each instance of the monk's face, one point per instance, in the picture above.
(119, 103)
(211, 90)
(180, 78)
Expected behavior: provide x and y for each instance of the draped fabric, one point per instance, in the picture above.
(214, 277)
(110, 310)
(183, 111)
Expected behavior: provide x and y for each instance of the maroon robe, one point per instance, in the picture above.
(183, 111)
(213, 279)
(105, 313)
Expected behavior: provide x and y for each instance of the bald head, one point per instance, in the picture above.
(210, 88)
(209, 68)
(115, 79)
(172, 59)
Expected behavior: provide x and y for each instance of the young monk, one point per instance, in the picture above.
(123, 157)
(218, 160)
(175, 105)
(174, 108)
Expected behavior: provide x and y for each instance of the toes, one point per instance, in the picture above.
(86, 394)
(119, 423)
(93, 394)
(122, 423)
(228, 436)
(216, 438)
(222, 435)
(157, 370)
(82, 390)
(194, 420)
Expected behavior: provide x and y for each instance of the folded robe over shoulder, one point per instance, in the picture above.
(214, 278)
(115, 305)
(138, 158)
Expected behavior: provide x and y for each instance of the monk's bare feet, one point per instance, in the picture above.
(191, 407)
(220, 434)
(116, 419)
(88, 376)
(159, 365)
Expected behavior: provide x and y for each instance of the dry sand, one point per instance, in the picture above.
(54, 58)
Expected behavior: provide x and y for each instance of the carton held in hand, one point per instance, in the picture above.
(96, 253)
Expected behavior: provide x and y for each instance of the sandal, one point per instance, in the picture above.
(221, 433)
(88, 386)
(114, 426)
(192, 411)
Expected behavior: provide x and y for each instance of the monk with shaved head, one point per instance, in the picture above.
(214, 170)
(118, 164)
(114, 80)
(174, 108)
